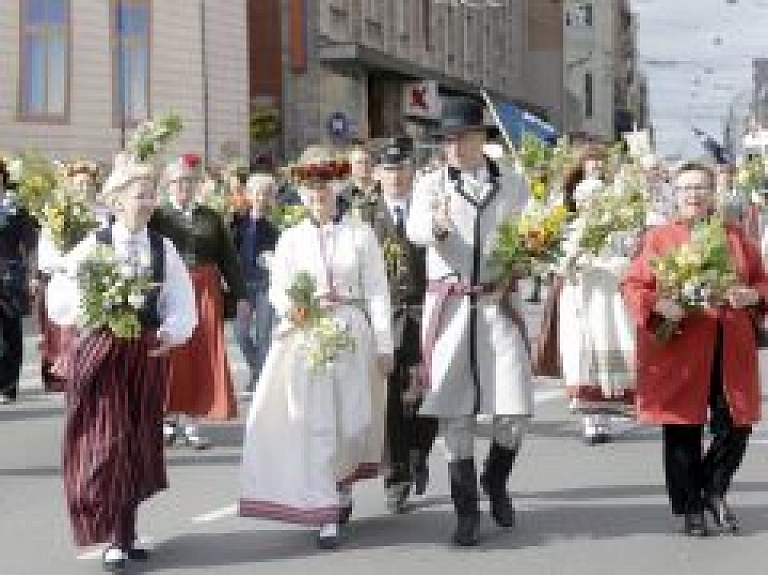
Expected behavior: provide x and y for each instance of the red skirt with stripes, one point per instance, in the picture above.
(113, 445)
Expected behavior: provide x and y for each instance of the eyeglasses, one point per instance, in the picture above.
(695, 188)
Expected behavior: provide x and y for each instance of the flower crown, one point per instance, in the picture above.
(82, 167)
(324, 171)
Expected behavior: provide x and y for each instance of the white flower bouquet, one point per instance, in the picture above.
(113, 292)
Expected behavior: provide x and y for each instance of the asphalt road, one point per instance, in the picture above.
(582, 510)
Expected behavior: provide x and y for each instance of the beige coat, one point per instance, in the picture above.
(480, 364)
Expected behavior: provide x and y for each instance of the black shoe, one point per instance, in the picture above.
(113, 564)
(345, 515)
(171, 433)
(328, 542)
(420, 479)
(467, 530)
(138, 554)
(494, 481)
(695, 525)
(6, 399)
(397, 495)
(725, 518)
(465, 500)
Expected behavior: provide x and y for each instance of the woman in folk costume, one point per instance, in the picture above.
(312, 433)
(662, 201)
(84, 178)
(113, 446)
(705, 372)
(199, 381)
(476, 351)
(597, 339)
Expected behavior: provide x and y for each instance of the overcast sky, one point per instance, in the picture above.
(698, 58)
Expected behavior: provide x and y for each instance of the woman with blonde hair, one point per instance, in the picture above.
(113, 456)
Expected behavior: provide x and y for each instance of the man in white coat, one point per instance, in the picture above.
(476, 352)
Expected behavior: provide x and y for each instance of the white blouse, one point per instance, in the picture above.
(176, 301)
(357, 270)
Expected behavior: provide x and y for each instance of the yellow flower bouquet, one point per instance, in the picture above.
(529, 242)
(68, 218)
(37, 179)
(697, 274)
(284, 217)
(394, 257)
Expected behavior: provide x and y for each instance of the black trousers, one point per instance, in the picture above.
(11, 353)
(407, 432)
(691, 473)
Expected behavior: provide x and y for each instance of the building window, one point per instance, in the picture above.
(131, 32)
(44, 59)
(588, 14)
(589, 103)
(427, 24)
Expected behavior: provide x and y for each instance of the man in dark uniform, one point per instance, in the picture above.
(18, 238)
(409, 436)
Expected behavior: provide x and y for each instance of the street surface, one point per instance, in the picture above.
(582, 510)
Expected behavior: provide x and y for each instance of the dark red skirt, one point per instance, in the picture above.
(54, 340)
(113, 444)
(199, 380)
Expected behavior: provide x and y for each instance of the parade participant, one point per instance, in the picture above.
(312, 432)
(709, 364)
(18, 238)
(409, 435)
(199, 380)
(258, 238)
(85, 178)
(661, 193)
(596, 336)
(113, 446)
(596, 427)
(239, 205)
(476, 353)
(361, 185)
(592, 163)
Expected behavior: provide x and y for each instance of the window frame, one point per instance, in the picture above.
(119, 119)
(22, 115)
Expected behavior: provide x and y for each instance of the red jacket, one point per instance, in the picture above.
(673, 378)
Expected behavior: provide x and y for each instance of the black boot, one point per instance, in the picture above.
(695, 525)
(494, 481)
(464, 496)
(725, 518)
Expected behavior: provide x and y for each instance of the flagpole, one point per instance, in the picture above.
(496, 120)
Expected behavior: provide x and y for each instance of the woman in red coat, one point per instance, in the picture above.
(708, 368)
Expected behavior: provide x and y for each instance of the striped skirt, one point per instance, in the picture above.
(113, 446)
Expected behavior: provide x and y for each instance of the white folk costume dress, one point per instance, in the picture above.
(476, 353)
(596, 334)
(308, 433)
